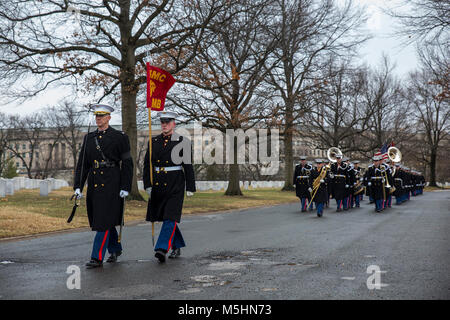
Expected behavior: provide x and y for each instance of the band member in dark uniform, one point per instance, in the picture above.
(388, 184)
(105, 161)
(376, 183)
(301, 181)
(170, 180)
(340, 181)
(398, 184)
(350, 183)
(321, 195)
(357, 184)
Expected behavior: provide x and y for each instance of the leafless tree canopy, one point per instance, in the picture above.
(426, 21)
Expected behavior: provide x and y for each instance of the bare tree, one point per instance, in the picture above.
(432, 114)
(390, 119)
(25, 134)
(222, 84)
(338, 115)
(68, 121)
(308, 31)
(423, 20)
(100, 45)
(4, 157)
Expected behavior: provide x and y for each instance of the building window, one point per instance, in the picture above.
(24, 146)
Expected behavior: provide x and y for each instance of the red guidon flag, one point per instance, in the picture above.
(158, 84)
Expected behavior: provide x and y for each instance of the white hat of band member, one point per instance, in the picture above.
(167, 115)
(302, 157)
(101, 109)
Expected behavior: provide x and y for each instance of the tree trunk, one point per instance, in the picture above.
(129, 92)
(288, 154)
(233, 181)
(233, 177)
(433, 158)
(130, 128)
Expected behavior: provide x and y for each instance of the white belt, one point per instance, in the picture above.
(398, 179)
(174, 168)
(376, 177)
(339, 176)
(302, 177)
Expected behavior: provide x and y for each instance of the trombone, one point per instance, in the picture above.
(331, 155)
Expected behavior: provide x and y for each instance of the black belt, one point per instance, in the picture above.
(104, 164)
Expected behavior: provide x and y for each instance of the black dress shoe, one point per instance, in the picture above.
(113, 257)
(161, 255)
(175, 253)
(94, 263)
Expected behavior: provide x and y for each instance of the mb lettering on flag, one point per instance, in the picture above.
(158, 84)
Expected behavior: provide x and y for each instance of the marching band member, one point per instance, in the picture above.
(376, 183)
(321, 194)
(301, 181)
(340, 184)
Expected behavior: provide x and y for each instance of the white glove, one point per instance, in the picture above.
(78, 193)
(322, 181)
(346, 185)
(149, 192)
(369, 183)
(331, 175)
(361, 179)
(123, 193)
(310, 190)
(189, 193)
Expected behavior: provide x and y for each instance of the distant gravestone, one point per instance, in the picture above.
(28, 183)
(2, 188)
(45, 188)
(9, 187)
(141, 185)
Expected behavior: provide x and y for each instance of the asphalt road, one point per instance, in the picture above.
(266, 253)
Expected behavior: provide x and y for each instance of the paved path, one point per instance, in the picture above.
(269, 253)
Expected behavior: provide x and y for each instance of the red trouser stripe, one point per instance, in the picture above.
(171, 237)
(103, 244)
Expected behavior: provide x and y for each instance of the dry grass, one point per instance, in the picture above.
(27, 213)
(428, 189)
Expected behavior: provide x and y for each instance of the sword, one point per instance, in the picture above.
(75, 206)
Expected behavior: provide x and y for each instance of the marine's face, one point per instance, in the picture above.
(102, 121)
(167, 126)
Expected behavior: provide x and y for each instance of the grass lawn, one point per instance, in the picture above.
(27, 213)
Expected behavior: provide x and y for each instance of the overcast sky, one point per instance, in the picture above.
(379, 24)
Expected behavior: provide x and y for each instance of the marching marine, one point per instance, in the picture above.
(376, 183)
(340, 182)
(171, 177)
(301, 181)
(319, 184)
(105, 161)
